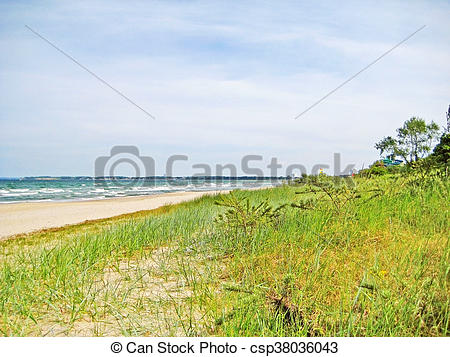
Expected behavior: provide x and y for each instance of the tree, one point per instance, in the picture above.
(414, 140)
(388, 145)
(441, 152)
(416, 137)
(448, 119)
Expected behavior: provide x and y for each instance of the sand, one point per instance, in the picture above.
(18, 218)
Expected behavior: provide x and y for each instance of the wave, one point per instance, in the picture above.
(75, 191)
(51, 190)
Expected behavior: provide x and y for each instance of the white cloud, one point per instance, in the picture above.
(222, 82)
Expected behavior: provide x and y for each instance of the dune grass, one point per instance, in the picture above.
(377, 266)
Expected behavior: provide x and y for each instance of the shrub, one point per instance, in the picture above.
(242, 217)
(378, 170)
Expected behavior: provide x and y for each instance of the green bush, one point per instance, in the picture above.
(244, 217)
(396, 169)
(378, 170)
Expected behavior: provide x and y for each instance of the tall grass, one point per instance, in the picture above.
(378, 268)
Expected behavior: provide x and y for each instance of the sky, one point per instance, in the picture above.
(223, 79)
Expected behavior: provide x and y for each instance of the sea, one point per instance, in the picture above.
(32, 189)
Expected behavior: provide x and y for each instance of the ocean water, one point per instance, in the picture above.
(86, 188)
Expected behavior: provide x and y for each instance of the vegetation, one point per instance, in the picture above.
(320, 256)
(242, 217)
(331, 260)
(441, 153)
(414, 140)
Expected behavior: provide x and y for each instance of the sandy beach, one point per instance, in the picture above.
(17, 218)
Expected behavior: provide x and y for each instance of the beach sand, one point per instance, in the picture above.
(17, 218)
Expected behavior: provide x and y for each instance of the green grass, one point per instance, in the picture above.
(376, 267)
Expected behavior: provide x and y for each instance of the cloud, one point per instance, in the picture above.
(223, 80)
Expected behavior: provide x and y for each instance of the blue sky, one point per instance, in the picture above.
(224, 79)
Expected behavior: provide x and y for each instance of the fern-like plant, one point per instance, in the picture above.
(241, 216)
(340, 194)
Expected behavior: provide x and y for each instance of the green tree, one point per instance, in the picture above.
(414, 140)
(448, 119)
(387, 146)
(441, 152)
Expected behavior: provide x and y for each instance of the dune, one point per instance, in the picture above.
(26, 217)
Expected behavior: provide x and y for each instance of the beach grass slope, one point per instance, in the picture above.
(302, 264)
